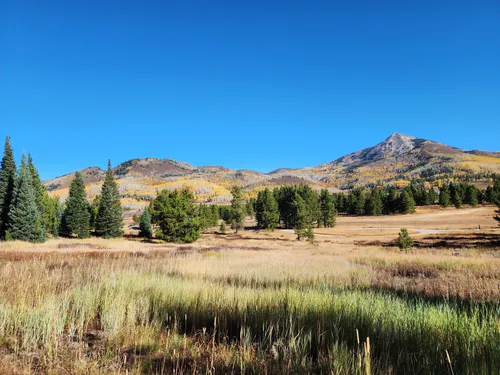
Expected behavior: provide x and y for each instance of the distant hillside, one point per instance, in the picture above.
(398, 158)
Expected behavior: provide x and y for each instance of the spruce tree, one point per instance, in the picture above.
(407, 203)
(76, 217)
(145, 225)
(24, 218)
(237, 209)
(266, 210)
(391, 201)
(456, 195)
(374, 205)
(109, 218)
(444, 196)
(471, 195)
(42, 196)
(327, 206)
(7, 184)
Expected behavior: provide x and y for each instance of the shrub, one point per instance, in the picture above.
(405, 242)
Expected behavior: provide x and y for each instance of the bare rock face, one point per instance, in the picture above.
(396, 144)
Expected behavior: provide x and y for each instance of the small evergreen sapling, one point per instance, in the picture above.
(405, 242)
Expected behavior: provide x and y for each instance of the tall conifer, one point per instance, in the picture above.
(76, 217)
(7, 184)
(328, 212)
(109, 218)
(24, 218)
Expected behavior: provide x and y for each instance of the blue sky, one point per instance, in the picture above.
(244, 84)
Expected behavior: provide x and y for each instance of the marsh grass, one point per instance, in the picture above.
(230, 311)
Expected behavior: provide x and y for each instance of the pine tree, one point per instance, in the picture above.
(327, 206)
(109, 219)
(311, 198)
(76, 217)
(266, 210)
(24, 218)
(302, 222)
(374, 205)
(237, 209)
(444, 196)
(7, 184)
(391, 201)
(456, 195)
(177, 216)
(405, 242)
(471, 194)
(407, 203)
(42, 196)
(432, 197)
(145, 225)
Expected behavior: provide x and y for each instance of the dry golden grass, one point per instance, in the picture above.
(85, 306)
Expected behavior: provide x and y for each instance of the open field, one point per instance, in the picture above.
(260, 302)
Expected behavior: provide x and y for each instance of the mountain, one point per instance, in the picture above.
(399, 159)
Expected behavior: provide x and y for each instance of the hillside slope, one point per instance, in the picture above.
(398, 158)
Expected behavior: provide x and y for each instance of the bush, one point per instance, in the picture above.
(222, 227)
(405, 242)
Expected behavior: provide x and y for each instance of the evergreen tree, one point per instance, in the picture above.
(432, 197)
(76, 216)
(55, 214)
(215, 215)
(405, 242)
(391, 201)
(24, 218)
(374, 205)
(177, 216)
(302, 221)
(145, 225)
(250, 207)
(471, 196)
(407, 203)
(327, 206)
(222, 228)
(356, 202)
(456, 195)
(109, 218)
(237, 209)
(311, 200)
(266, 210)
(284, 196)
(444, 196)
(94, 209)
(7, 184)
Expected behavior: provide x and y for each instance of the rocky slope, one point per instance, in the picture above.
(398, 158)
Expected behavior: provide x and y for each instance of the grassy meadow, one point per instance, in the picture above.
(253, 303)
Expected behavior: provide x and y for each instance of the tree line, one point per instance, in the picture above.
(28, 213)
(389, 200)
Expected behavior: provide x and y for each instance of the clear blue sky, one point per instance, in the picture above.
(244, 84)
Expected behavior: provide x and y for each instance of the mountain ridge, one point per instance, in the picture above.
(398, 157)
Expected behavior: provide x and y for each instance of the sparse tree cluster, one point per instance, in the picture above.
(27, 213)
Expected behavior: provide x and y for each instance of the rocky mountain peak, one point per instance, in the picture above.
(396, 144)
